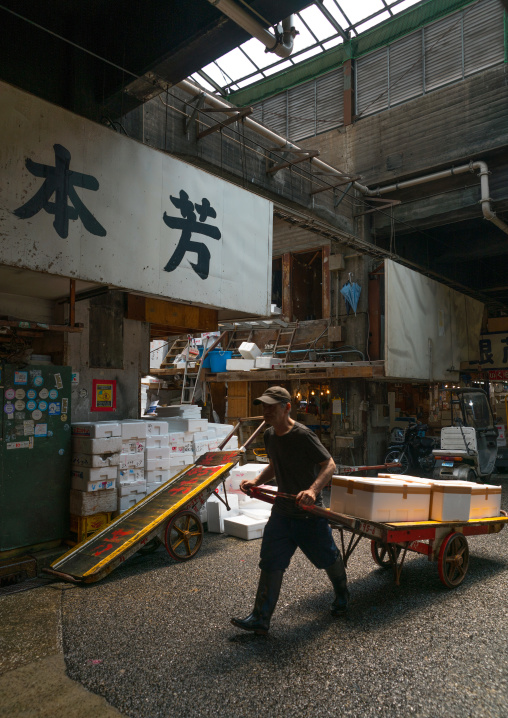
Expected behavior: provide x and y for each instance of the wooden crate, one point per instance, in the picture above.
(84, 526)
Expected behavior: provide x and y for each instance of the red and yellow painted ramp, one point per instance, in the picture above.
(94, 558)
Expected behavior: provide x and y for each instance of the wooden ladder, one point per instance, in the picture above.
(282, 335)
(178, 346)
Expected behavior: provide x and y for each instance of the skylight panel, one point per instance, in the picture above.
(357, 11)
(202, 82)
(278, 68)
(256, 51)
(236, 64)
(304, 38)
(250, 80)
(309, 53)
(213, 71)
(331, 6)
(333, 43)
(361, 27)
(403, 5)
(317, 22)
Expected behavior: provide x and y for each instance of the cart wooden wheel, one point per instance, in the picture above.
(453, 560)
(184, 535)
(381, 555)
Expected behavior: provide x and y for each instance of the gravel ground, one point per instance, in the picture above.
(154, 638)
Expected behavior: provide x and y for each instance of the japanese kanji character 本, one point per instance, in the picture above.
(61, 182)
(188, 225)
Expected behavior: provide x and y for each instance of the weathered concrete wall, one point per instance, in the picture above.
(136, 343)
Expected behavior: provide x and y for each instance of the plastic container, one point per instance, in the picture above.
(218, 360)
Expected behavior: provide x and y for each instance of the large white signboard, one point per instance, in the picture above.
(79, 200)
(429, 328)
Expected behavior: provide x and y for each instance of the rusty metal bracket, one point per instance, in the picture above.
(304, 155)
(346, 180)
(199, 104)
(239, 114)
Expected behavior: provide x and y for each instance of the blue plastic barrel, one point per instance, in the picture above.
(218, 359)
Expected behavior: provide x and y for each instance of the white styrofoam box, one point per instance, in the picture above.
(133, 429)
(244, 527)
(387, 500)
(88, 503)
(176, 438)
(239, 364)
(95, 461)
(156, 464)
(161, 452)
(133, 446)
(249, 350)
(217, 512)
(181, 459)
(220, 429)
(127, 502)
(126, 476)
(232, 444)
(157, 477)
(213, 444)
(85, 445)
(132, 488)
(156, 428)
(80, 484)
(267, 362)
(199, 446)
(131, 461)
(247, 471)
(485, 501)
(451, 501)
(179, 424)
(203, 514)
(96, 429)
(157, 441)
(185, 448)
(107, 473)
(210, 433)
(174, 470)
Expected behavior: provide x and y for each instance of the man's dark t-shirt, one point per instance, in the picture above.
(295, 457)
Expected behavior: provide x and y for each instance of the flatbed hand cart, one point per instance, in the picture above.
(170, 515)
(443, 542)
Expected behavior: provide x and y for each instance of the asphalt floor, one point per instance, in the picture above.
(154, 640)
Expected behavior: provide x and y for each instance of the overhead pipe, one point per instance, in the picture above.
(479, 166)
(285, 144)
(280, 44)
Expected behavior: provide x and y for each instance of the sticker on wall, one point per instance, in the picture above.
(104, 395)
(18, 445)
(41, 430)
(19, 430)
(75, 378)
(65, 404)
(20, 405)
(37, 415)
(58, 381)
(43, 405)
(54, 408)
(38, 380)
(61, 452)
(31, 405)
(10, 394)
(28, 427)
(53, 394)
(64, 418)
(19, 415)
(9, 408)
(44, 393)
(50, 433)
(20, 394)
(30, 442)
(20, 377)
(31, 393)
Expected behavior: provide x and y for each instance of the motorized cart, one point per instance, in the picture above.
(443, 542)
(169, 515)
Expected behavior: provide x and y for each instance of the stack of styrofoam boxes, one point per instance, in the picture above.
(96, 448)
(267, 362)
(157, 455)
(382, 499)
(460, 500)
(248, 517)
(182, 433)
(217, 433)
(131, 475)
(249, 352)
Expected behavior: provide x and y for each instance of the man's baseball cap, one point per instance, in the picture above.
(274, 395)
